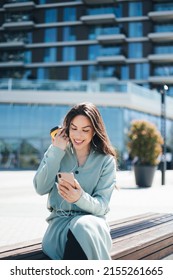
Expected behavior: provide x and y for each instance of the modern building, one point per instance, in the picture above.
(88, 40)
(103, 42)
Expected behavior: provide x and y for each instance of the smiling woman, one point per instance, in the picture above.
(77, 228)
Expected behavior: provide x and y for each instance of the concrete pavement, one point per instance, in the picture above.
(23, 211)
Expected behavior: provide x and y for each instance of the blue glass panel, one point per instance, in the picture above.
(163, 70)
(113, 119)
(69, 33)
(50, 35)
(93, 52)
(142, 70)
(135, 50)
(135, 9)
(28, 57)
(92, 72)
(163, 6)
(110, 50)
(75, 73)
(50, 55)
(163, 49)
(69, 53)
(50, 15)
(69, 14)
(29, 38)
(101, 10)
(135, 29)
(124, 72)
(163, 27)
(41, 73)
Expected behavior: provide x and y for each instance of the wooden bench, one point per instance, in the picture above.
(147, 236)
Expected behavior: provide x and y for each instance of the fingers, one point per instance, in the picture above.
(61, 139)
(68, 192)
(76, 184)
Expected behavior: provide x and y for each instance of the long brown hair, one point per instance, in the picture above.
(100, 141)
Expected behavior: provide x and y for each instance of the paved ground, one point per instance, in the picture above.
(23, 212)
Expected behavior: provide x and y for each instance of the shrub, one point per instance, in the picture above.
(145, 142)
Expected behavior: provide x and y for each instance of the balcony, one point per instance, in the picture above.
(160, 58)
(161, 37)
(111, 39)
(111, 60)
(18, 25)
(19, 6)
(161, 80)
(99, 19)
(95, 2)
(161, 16)
(11, 64)
(12, 45)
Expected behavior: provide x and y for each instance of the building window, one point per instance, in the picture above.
(163, 70)
(100, 11)
(42, 73)
(142, 70)
(124, 72)
(50, 35)
(75, 73)
(69, 54)
(163, 49)
(69, 14)
(28, 57)
(50, 15)
(163, 6)
(108, 30)
(135, 29)
(93, 52)
(50, 55)
(135, 9)
(29, 38)
(107, 72)
(69, 33)
(135, 50)
(166, 27)
(92, 73)
(110, 50)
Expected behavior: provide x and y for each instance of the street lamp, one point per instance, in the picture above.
(163, 131)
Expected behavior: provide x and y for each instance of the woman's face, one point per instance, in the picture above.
(81, 132)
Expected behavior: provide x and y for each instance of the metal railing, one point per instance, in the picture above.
(79, 86)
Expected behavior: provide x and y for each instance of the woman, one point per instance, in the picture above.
(77, 227)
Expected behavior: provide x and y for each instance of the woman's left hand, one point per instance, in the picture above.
(68, 192)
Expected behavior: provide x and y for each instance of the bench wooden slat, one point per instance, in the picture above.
(128, 247)
(146, 236)
(133, 219)
(140, 225)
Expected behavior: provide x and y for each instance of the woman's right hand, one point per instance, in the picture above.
(61, 139)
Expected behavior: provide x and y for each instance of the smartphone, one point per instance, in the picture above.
(54, 131)
(69, 177)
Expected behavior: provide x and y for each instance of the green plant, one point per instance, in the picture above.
(144, 142)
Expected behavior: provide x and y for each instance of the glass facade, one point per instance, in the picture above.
(26, 129)
(64, 40)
